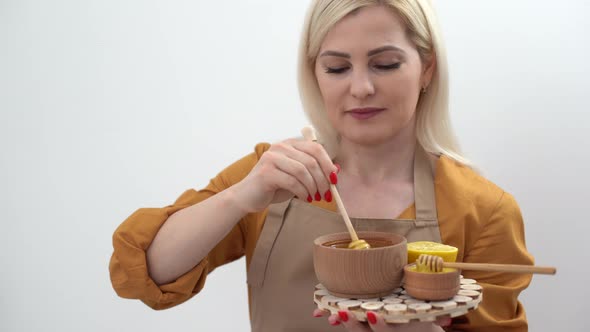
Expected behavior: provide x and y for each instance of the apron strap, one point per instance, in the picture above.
(424, 196)
(266, 240)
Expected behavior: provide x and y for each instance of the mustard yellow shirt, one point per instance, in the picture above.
(474, 215)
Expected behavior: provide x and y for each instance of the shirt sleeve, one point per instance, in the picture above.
(128, 266)
(501, 241)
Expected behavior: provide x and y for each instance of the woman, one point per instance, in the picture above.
(373, 80)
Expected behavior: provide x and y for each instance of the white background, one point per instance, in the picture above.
(108, 106)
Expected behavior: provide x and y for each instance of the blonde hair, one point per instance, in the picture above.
(433, 127)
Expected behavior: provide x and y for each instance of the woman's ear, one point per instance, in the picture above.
(428, 71)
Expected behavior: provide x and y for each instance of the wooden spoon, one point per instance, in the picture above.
(309, 134)
(430, 263)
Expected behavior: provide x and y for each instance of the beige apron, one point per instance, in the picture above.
(281, 275)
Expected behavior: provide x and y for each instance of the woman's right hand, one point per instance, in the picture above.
(376, 323)
(293, 167)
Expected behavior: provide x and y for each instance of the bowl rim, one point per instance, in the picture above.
(408, 266)
(318, 242)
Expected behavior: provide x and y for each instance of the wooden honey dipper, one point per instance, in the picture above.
(309, 135)
(430, 263)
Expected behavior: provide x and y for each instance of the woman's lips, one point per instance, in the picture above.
(365, 113)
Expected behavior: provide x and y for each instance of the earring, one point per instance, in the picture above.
(423, 90)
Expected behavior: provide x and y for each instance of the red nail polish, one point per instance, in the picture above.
(317, 315)
(318, 197)
(335, 323)
(333, 178)
(338, 167)
(343, 315)
(328, 196)
(309, 199)
(371, 318)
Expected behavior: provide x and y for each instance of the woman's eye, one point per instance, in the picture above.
(336, 70)
(389, 67)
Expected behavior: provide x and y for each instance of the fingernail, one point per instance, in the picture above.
(343, 315)
(333, 178)
(309, 199)
(338, 167)
(371, 318)
(335, 323)
(317, 315)
(318, 197)
(328, 196)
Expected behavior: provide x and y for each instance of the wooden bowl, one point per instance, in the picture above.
(431, 286)
(364, 273)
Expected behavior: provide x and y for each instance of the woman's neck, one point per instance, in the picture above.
(390, 161)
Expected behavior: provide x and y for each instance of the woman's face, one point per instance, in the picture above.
(370, 76)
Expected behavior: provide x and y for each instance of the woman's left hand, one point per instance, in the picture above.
(376, 323)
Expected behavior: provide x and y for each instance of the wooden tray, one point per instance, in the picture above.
(402, 308)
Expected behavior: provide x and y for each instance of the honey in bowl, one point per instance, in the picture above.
(344, 244)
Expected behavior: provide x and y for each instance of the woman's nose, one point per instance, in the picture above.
(361, 85)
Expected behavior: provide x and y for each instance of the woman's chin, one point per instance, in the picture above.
(378, 134)
(369, 139)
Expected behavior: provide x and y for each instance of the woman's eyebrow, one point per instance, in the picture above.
(370, 53)
(385, 48)
(334, 53)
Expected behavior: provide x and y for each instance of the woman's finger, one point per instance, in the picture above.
(334, 320)
(318, 152)
(312, 165)
(349, 321)
(444, 321)
(285, 181)
(376, 322)
(298, 174)
(320, 313)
